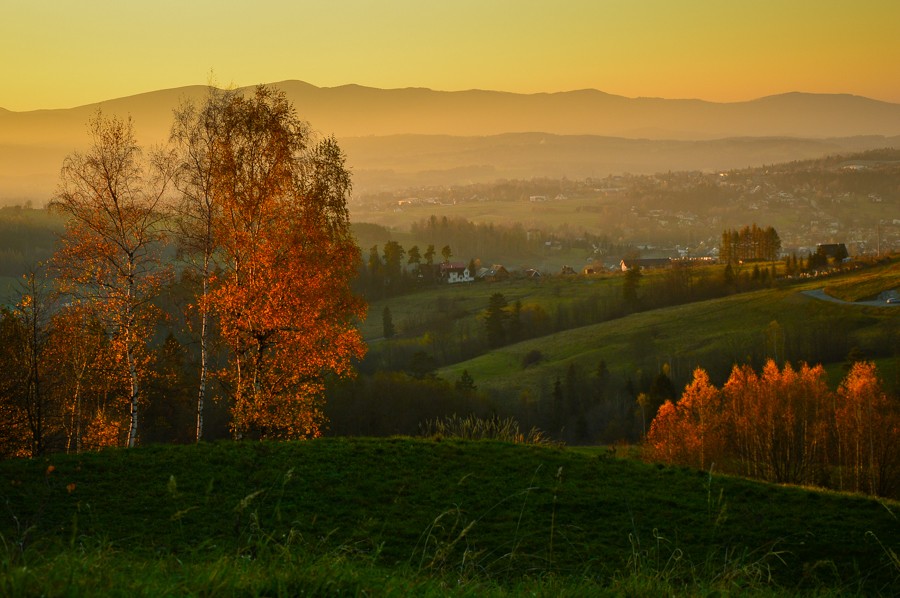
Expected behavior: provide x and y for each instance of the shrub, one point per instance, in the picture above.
(478, 428)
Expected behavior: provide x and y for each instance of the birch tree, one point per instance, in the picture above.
(109, 254)
(868, 432)
(195, 134)
(283, 299)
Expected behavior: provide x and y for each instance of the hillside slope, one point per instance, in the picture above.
(713, 334)
(471, 510)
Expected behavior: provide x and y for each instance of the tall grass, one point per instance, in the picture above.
(472, 427)
(401, 516)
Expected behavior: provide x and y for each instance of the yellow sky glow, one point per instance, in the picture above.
(57, 54)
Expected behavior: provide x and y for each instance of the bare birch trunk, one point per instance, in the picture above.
(201, 392)
(133, 412)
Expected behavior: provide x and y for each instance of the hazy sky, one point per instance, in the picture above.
(64, 53)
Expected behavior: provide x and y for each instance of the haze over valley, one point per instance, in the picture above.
(449, 298)
(401, 138)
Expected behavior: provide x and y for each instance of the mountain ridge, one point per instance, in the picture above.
(356, 110)
(367, 122)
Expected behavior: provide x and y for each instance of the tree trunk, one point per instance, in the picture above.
(204, 316)
(133, 412)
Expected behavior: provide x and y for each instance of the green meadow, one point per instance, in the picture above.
(780, 322)
(867, 285)
(437, 516)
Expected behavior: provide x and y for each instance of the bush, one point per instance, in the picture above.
(478, 428)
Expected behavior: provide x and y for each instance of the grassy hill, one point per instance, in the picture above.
(401, 516)
(711, 334)
(867, 285)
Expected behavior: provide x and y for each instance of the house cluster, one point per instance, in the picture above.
(644, 263)
(457, 272)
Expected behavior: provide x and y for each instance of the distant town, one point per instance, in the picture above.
(851, 200)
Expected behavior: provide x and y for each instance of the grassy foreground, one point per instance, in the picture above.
(425, 517)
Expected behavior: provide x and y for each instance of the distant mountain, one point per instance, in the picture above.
(33, 144)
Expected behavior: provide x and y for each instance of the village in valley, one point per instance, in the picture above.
(839, 206)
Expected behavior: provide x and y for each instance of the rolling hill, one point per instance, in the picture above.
(424, 517)
(713, 334)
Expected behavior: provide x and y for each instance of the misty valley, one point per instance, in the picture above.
(425, 363)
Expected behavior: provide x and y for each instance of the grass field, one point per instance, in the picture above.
(426, 517)
(712, 334)
(867, 285)
(470, 300)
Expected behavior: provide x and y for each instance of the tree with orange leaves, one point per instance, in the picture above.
(690, 432)
(779, 421)
(287, 257)
(33, 308)
(108, 257)
(195, 135)
(89, 394)
(16, 438)
(867, 424)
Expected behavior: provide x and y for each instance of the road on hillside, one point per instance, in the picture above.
(821, 294)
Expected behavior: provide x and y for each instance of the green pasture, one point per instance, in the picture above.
(469, 300)
(868, 285)
(433, 516)
(713, 334)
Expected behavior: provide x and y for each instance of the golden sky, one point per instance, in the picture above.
(64, 53)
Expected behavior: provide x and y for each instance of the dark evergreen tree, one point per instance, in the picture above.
(661, 390)
(466, 384)
(630, 287)
(558, 406)
(728, 276)
(602, 377)
(393, 266)
(495, 319)
(414, 259)
(387, 323)
(515, 322)
(376, 273)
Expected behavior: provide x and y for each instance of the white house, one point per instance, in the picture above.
(454, 272)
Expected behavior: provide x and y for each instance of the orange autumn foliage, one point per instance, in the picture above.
(868, 434)
(779, 421)
(86, 383)
(108, 259)
(690, 433)
(283, 297)
(77, 382)
(786, 426)
(103, 431)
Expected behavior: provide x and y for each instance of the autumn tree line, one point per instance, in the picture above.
(254, 206)
(785, 425)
